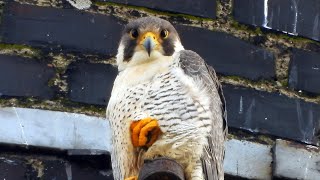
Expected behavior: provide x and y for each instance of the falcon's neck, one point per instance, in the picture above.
(142, 67)
(144, 72)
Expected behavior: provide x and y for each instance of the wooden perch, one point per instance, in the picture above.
(161, 169)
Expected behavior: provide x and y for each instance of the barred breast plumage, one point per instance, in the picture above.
(184, 107)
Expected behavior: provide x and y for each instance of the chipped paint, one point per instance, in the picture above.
(80, 4)
(8, 161)
(265, 12)
(316, 27)
(248, 115)
(68, 171)
(295, 145)
(295, 8)
(297, 161)
(241, 105)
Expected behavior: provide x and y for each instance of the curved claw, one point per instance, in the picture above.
(144, 132)
(132, 178)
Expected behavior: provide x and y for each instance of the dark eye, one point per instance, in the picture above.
(134, 33)
(164, 33)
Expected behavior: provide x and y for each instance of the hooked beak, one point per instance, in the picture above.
(149, 42)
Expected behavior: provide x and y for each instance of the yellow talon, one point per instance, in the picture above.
(132, 178)
(144, 132)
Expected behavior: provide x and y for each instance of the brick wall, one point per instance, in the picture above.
(266, 52)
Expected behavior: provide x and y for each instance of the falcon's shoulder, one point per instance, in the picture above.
(196, 68)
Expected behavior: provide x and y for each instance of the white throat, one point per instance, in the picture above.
(144, 72)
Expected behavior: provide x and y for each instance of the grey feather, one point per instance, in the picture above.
(213, 155)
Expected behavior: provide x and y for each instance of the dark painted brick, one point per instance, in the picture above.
(249, 11)
(202, 8)
(227, 54)
(272, 113)
(87, 174)
(66, 30)
(54, 169)
(25, 77)
(91, 83)
(20, 167)
(11, 169)
(297, 17)
(304, 72)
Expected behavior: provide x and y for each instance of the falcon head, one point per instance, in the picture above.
(147, 39)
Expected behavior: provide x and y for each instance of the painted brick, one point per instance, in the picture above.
(21, 167)
(304, 71)
(272, 113)
(58, 130)
(296, 17)
(296, 161)
(66, 30)
(11, 169)
(25, 77)
(91, 83)
(202, 8)
(227, 54)
(89, 138)
(248, 159)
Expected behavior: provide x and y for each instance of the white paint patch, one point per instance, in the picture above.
(296, 161)
(248, 160)
(241, 105)
(290, 33)
(53, 129)
(265, 12)
(80, 4)
(295, 8)
(68, 171)
(8, 161)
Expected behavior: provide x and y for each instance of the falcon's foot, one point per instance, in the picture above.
(132, 178)
(144, 132)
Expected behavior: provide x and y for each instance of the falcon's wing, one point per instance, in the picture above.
(195, 67)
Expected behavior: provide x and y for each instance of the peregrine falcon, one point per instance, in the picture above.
(165, 102)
